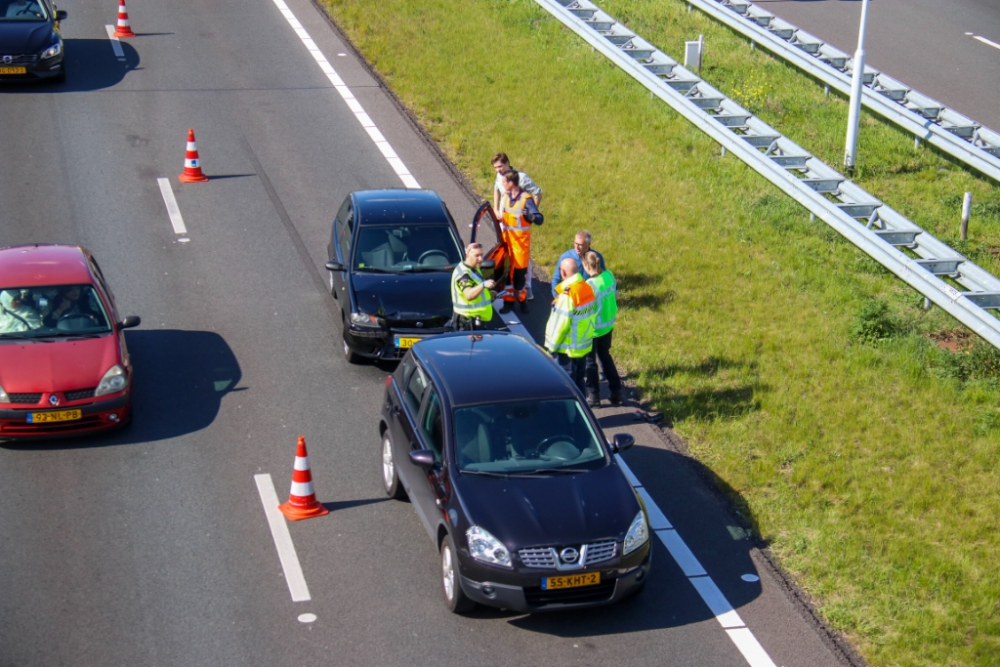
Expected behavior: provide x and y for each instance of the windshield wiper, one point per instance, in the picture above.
(484, 472)
(375, 269)
(69, 334)
(21, 337)
(545, 471)
(427, 269)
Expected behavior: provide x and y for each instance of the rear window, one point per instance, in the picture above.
(51, 312)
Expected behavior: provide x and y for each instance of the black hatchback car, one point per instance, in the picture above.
(391, 254)
(30, 44)
(511, 476)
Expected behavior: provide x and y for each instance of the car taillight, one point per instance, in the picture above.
(388, 380)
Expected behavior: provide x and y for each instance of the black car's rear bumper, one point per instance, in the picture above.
(381, 343)
(617, 582)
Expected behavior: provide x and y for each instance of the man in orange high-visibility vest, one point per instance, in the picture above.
(519, 213)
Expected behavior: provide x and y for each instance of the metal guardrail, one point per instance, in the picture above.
(865, 221)
(929, 120)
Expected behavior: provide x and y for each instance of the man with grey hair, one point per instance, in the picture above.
(470, 293)
(581, 246)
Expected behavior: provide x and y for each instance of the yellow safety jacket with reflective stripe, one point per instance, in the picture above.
(570, 329)
(481, 306)
(604, 287)
(516, 229)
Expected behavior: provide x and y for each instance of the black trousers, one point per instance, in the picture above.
(602, 351)
(575, 368)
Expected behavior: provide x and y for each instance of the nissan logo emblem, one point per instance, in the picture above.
(569, 555)
(420, 325)
(8, 60)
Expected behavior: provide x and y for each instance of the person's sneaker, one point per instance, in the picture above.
(507, 307)
(524, 307)
(594, 400)
(616, 398)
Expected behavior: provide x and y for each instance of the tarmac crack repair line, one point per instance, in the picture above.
(366, 122)
(720, 607)
(282, 539)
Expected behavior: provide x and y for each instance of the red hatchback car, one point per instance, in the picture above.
(64, 368)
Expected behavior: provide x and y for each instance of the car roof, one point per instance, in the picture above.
(383, 207)
(490, 367)
(43, 264)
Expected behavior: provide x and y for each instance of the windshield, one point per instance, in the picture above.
(51, 312)
(22, 10)
(407, 248)
(526, 437)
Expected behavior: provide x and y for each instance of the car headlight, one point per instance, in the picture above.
(486, 548)
(4, 398)
(52, 51)
(637, 535)
(113, 381)
(366, 320)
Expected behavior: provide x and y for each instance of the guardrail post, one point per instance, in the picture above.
(966, 210)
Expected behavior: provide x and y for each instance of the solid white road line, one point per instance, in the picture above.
(986, 41)
(724, 613)
(116, 44)
(352, 102)
(282, 539)
(173, 210)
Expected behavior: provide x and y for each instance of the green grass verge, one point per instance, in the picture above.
(792, 364)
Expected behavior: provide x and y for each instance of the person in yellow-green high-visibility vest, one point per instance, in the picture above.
(569, 333)
(470, 293)
(605, 288)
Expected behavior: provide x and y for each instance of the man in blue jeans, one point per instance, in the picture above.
(581, 246)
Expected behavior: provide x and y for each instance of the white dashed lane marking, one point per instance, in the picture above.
(116, 44)
(986, 41)
(173, 210)
(283, 542)
(366, 122)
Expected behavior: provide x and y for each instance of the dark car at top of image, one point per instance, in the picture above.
(30, 44)
(64, 367)
(511, 476)
(391, 254)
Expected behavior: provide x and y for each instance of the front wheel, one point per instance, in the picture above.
(351, 356)
(451, 583)
(390, 478)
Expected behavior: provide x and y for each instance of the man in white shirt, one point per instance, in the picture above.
(501, 163)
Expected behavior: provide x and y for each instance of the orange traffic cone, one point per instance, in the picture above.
(123, 29)
(192, 165)
(302, 503)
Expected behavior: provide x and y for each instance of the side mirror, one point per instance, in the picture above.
(488, 265)
(622, 441)
(130, 321)
(61, 15)
(334, 266)
(423, 458)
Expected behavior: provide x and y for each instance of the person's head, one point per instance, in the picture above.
(511, 181)
(582, 243)
(474, 255)
(72, 292)
(591, 264)
(568, 268)
(501, 162)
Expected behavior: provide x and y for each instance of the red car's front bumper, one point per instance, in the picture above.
(97, 415)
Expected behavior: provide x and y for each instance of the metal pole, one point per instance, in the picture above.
(966, 209)
(851, 150)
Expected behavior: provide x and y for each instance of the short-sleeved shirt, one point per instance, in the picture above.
(526, 184)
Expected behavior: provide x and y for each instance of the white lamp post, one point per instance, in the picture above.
(851, 151)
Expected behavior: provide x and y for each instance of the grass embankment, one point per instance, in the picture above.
(793, 365)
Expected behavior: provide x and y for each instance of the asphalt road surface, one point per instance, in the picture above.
(151, 547)
(946, 49)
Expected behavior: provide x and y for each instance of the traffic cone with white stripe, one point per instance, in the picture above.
(302, 503)
(192, 165)
(123, 29)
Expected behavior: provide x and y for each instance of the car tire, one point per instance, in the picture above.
(451, 581)
(390, 477)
